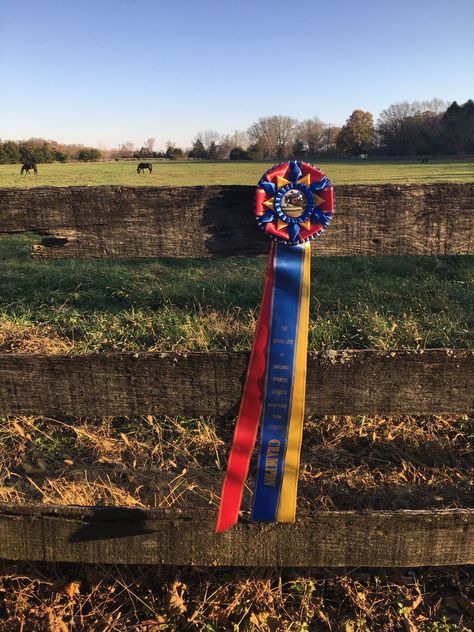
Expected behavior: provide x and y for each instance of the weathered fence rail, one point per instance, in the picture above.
(339, 382)
(122, 222)
(136, 536)
(126, 222)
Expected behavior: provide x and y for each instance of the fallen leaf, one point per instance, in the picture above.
(254, 620)
(19, 429)
(71, 589)
(175, 596)
(417, 601)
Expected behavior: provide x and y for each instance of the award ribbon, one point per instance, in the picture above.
(294, 203)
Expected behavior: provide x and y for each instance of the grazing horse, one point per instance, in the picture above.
(27, 167)
(144, 165)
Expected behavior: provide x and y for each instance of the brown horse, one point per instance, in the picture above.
(26, 168)
(144, 165)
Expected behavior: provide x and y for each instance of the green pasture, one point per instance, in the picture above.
(192, 173)
(83, 306)
(95, 306)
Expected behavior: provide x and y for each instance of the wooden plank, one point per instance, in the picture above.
(127, 222)
(339, 382)
(136, 536)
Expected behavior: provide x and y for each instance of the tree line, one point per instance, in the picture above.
(419, 128)
(39, 150)
(426, 128)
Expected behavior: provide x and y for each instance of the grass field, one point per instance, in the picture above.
(168, 173)
(347, 462)
(83, 306)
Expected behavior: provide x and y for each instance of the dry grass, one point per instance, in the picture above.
(58, 598)
(30, 338)
(347, 462)
(129, 462)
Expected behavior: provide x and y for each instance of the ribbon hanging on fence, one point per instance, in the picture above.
(294, 204)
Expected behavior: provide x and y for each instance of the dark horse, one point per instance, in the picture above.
(27, 167)
(144, 165)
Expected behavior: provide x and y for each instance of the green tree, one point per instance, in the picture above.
(174, 153)
(198, 150)
(36, 150)
(256, 152)
(357, 135)
(9, 153)
(458, 128)
(299, 149)
(238, 153)
(212, 152)
(60, 156)
(89, 154)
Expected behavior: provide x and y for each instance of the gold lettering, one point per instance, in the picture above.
(271, 463)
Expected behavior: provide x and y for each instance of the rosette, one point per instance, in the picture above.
(294, 203)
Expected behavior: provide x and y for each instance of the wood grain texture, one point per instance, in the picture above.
(126, 222)
(339, 382)
(136, 536)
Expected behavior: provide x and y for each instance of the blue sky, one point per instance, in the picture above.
(102, 72)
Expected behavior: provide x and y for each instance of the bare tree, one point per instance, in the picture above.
(149, 144)
(274, 134)
(436, 105)
(225, 147)
(392, 116)
(311, 132)
(240, 138)
(331, 132)
(126, 149)
(207, 137)
(402, 126)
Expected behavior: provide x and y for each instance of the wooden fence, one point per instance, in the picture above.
(124, 222)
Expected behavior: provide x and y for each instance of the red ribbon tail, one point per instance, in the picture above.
(246, 428)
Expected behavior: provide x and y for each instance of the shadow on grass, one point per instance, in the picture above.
(356, 301)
